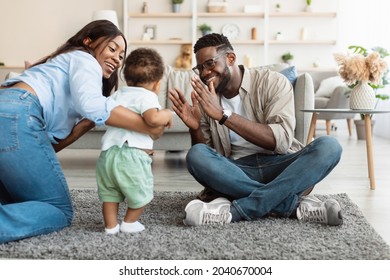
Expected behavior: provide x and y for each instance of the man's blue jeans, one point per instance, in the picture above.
(261, 184)
(34, 196)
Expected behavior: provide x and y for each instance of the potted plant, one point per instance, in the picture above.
(308, 6)
(277, 7)
(204, 28)
(287, 57)
(364, 67)
(176, 5)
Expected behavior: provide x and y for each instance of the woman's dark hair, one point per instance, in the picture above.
(213, 40)
(95, 30)
(143, 65)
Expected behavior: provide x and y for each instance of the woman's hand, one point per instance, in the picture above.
(78, 130)
(190, 115)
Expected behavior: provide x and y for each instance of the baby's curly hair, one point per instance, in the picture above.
(213, 40)
(143, 65)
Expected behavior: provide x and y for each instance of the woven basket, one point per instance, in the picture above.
(216, 7)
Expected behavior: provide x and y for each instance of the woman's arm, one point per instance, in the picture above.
(78, 130)
(125, 118)
(120, 117)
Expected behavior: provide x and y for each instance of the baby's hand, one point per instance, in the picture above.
(169, 124)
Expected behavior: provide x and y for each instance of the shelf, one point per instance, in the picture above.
(189, 15)
(160, 15)
(214, 15)
(176, 29)
(159, 42)
(6, 67)
(247, 42)
(302, 42)
(303, 14)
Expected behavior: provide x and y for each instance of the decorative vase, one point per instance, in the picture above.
(362, 97)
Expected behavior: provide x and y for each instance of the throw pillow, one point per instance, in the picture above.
(290, 73)
(327, 86)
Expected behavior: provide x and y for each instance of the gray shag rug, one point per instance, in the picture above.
(166, 238)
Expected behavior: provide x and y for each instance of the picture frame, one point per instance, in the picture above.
(150, 30)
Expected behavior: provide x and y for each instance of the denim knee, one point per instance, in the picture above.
(196, 153)
(328, 145)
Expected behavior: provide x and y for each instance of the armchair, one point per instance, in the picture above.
(331, 92)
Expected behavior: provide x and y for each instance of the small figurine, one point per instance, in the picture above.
(145, 8)
(184, 60)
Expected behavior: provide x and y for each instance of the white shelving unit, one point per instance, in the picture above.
(174, 29)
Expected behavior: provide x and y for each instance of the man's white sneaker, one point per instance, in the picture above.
(216, 211)
(311, 209)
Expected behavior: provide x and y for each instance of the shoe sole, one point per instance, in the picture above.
(223, 209)
(215, 201)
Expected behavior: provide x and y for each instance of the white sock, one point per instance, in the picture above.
(113, 230)
(132, 227)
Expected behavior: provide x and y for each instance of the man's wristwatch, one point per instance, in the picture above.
(226, 115)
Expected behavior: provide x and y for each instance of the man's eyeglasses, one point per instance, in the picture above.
(208, 64)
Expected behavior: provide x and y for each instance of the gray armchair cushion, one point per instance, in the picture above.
(339, 99)
(327, 86)
(321, 102)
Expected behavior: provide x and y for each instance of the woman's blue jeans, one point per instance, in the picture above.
(34, 196)
(261, 184)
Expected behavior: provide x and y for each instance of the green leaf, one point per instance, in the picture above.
(382, 51)
(358, 49)
(382, 96)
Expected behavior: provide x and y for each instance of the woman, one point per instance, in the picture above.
(52, 104)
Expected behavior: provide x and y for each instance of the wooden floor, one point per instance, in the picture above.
(350, 176)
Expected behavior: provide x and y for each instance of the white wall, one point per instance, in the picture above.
(382, 126)
(31, 29)
(364, 22)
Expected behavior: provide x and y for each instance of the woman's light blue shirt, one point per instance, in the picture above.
(69, 88)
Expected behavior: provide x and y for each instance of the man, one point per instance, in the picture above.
(244, 152)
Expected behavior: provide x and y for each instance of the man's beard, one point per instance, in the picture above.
(226, 78)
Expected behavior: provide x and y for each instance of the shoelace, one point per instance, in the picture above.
(318, 214)
(210, 218)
